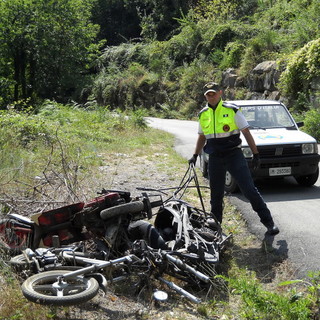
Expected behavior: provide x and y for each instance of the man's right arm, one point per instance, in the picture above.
(201, 141)
(199, 145)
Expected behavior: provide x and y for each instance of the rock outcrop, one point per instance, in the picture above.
(261, 83)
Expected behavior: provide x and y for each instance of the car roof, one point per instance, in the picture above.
(254, 102)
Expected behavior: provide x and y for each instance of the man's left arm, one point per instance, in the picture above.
(256, 157)
(244, 127)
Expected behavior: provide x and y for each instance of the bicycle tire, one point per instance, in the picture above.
(43, 288)
(116, 211)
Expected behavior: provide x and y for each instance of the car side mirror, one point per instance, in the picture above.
(300, 124)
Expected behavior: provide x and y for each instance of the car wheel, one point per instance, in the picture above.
(230, 185)
(309, 180)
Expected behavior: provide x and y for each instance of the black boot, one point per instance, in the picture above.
(272, 229)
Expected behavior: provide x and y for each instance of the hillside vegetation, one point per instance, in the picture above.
(153, 54)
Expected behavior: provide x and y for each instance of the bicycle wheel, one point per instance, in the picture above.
(50, 288)
(130, 207)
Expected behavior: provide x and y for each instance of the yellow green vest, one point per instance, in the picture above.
(218, 123)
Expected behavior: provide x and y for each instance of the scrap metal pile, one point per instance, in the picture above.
(67, 254)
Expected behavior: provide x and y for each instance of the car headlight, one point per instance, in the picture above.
(247, 152)
(308, 148)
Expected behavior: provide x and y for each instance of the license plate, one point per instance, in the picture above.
(283, 171)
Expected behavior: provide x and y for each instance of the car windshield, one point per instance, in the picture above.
(267, 116)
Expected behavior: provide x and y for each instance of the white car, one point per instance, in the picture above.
(284, 149)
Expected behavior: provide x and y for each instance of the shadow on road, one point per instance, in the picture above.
(284, 189)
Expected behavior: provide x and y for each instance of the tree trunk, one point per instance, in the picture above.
(20, 86)
(16, 77)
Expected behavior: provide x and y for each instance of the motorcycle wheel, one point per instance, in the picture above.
(49, 288)
(126, 208)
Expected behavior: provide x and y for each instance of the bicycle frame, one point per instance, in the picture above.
(60, 283)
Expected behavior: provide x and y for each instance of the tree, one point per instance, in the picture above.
(45, 46)
(159, 17)
(221, 10)
(123, 20)
(118, 21)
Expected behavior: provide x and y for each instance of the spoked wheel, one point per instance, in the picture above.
(51, 288)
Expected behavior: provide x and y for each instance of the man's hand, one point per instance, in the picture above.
(256, 161)
(193, 159)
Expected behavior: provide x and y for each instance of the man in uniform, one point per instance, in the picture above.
(220, 124)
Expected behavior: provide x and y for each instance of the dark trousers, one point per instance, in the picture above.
(236, 164)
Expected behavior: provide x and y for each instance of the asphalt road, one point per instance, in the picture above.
(295, 209)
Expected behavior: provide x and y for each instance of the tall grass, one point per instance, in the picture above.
(258, 303)
(54, 154)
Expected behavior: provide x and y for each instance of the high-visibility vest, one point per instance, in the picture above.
(219, 127)
(219, 123)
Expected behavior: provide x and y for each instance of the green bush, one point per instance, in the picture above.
(259, 48)
(22, 128)
(222, 10)
(104, 89)
(295, 22)
(312, 123)
(5, 91)
(219, 36)
(303, 66)
(184, 47)
(163, 75)
(159, 60)
(123, 55)
(188, 98)
(232, 55)
(216, 56)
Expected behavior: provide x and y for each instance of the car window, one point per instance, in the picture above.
(267, 116)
